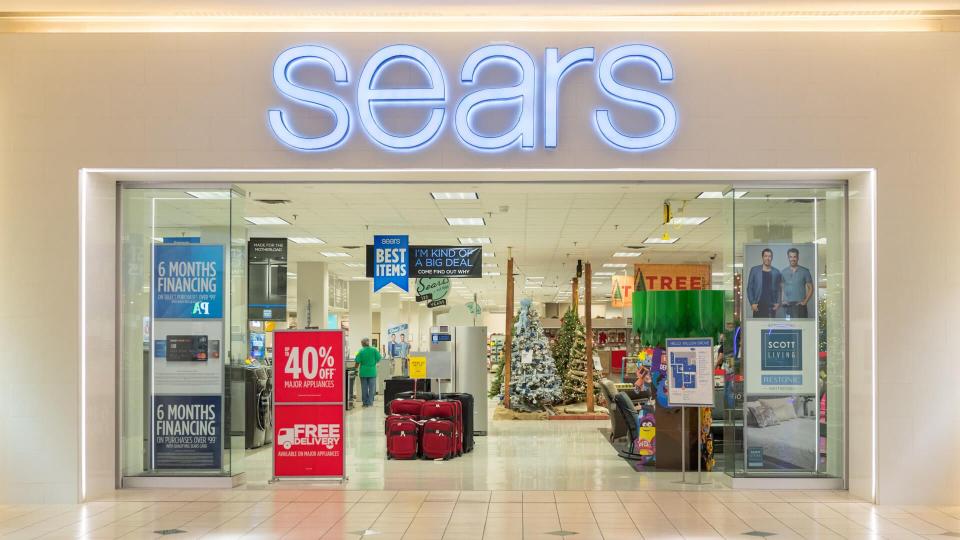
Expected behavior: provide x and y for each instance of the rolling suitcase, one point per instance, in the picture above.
(438, 439)
(451, 410)
(403, 436)
(409, 407)
(419, 394)
(466, 401)
(394, 388)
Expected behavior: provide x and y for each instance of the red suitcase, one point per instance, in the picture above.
(409, 407)
(451, 410)
(438, 439)
(403, 436)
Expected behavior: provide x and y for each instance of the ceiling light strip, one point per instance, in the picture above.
(873, 21)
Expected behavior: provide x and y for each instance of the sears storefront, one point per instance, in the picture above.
(198, 110)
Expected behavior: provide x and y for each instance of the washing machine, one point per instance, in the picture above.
(258, 406)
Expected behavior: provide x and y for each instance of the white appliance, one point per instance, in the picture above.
(458, 360)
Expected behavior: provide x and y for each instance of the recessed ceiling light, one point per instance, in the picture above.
(474, 240)
(720, 194)
(354, 265)
(267, 220)
(291, 275)
(658, 240)
(603, 273)
(489, 265)
(454, 196)
(360, 278)
(489, 254)
(614, 265)
(628, 254)
(821, 241)
(334, 254)
(491, 274)
(688, 220)
(306, 240)
(466, 221)
(219, 195)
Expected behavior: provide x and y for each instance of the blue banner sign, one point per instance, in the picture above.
(187, 432)
(187, 281)
(391, 261)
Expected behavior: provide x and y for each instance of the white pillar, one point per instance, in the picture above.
(426, 321)
(313, 284)
(361, 316)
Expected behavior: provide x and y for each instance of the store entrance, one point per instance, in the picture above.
(570, 380)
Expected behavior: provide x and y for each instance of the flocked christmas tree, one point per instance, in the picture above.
(560, 348)
(575, 381)
(534, 382)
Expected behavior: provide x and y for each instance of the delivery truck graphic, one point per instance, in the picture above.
(286, 438)
(327, 435)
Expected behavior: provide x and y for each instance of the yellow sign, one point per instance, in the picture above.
(418, 367)
(269, 326)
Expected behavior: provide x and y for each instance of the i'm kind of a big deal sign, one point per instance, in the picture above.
(309, 401)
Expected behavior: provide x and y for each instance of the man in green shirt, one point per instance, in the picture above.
(367, 360)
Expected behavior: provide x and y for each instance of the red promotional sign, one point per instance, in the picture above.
(308, 441)
(308, 376)
(308, 366)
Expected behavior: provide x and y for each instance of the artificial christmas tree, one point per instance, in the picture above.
(534, 382)
(560, 348)
(575, 381)
(496, 385)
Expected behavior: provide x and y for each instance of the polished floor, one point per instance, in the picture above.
(515, 455)
(525, 480)
(299, 513)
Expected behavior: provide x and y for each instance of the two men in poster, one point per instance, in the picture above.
(775, 294)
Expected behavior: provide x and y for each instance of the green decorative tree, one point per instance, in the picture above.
(560, 348)
(575, 381)
(533, 375)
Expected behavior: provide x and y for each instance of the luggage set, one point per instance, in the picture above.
(429, 426)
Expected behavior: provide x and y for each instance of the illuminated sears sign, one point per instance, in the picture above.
(527, 94)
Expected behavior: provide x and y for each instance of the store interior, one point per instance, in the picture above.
(579, 252)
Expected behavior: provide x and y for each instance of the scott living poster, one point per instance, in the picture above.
(781, 357)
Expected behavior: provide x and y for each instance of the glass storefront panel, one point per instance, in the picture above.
(786, 380)
(180, 283)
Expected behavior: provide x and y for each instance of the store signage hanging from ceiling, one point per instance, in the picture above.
(537, 88)
(450, 261)
(391, 261)
(433, 291)
(437, 261)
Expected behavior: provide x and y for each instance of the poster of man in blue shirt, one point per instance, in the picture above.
(797, 287)
(763, 287)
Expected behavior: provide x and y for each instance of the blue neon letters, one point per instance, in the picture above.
(371, 95)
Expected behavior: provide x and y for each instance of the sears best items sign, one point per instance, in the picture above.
(309, 403)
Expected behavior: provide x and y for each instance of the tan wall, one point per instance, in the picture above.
(756, 100)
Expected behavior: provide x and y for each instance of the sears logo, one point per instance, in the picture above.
(536, 89)
(327, 435)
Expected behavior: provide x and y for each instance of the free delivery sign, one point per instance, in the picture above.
(187, 281)
(391, 261)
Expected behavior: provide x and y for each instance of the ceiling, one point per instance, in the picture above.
(458, 8)
(548, 227)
